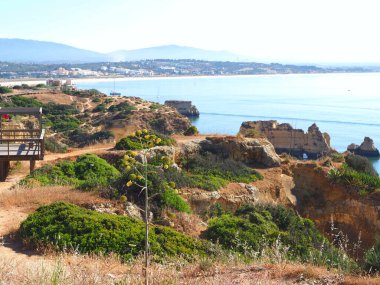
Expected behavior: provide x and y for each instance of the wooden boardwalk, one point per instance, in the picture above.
(20, 151)
(20, 144)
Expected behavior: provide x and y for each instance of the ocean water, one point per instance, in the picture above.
(347, 106)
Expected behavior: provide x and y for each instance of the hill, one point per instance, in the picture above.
(173, 52)
(19, 50)
(31, 51)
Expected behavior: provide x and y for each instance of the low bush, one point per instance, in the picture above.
(81, 138)
(171, 199)
(360, 181)
(372, 258)
(5, 90)
(133, 142)
(85, 93)
(213, 166)
(88, 171)
(337, 157)
(162, 194)
(100, 108)
(361, 164)
(121, 107)
(192, 131)
(66, 226)
(256, 230)
(53, 146)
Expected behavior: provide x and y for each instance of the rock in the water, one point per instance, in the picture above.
(247, 150)
(367, 148)
(285, 139)
(183, 107)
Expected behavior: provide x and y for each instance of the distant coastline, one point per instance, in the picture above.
(31, 81)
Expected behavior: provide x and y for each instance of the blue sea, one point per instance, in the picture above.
(345, 105)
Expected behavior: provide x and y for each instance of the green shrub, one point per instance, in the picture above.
(372, 257)
(5, 90)
(133, 142)
(258, 229)
(227, 169)
(162, 194)
(87, 171)
(360, 181)
(361, 164)
(81, 138)
(93, 170)
(66, 226)
(155, 106)
(121, 107)
(192, 131)
(53, 146)
(206, 182)
(100, 108)
(172, 199)
(337, 157)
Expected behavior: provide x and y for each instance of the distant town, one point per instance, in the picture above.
(158, 68)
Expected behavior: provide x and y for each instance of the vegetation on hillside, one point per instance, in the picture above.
(137, 140)
(87, 171)
(5, 90)
(359, 181)
(68, 227)
(192, 131)
(372, 257)
(258, 230)
(361, 164)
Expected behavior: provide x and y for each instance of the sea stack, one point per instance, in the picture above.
(286, 139)
(367, 148)
(185, 108)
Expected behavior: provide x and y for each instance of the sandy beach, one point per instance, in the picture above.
(110, 79)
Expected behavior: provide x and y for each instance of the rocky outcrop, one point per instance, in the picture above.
(367, 148)
(162, 121)
(285, 139)
(153, 152)
(251, 151)
(183, 107)
(334, 207)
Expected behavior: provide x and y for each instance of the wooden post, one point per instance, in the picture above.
(4, 170)
(32, 165)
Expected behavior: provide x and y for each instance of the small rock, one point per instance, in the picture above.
(215, 195)
(251, 188)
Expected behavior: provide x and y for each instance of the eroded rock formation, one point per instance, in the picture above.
(367, 148)
(334, 207)
(286, 139)
(183, 107)
(248, 150)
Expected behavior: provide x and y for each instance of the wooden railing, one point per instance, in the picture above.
(33, 140)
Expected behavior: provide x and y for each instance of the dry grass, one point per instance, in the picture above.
(31, 199)
(75, 269)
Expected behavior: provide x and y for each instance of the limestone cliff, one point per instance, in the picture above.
(286, 139)
(185, 108)
(335, 205)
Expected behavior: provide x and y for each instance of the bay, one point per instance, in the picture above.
(345, 105)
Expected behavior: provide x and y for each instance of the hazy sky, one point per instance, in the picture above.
(317, 31)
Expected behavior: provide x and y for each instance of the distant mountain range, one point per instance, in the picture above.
(31, 51)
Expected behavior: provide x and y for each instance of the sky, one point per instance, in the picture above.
(287, 31)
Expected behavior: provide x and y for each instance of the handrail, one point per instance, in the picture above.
(22, 140)
(21, 131)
